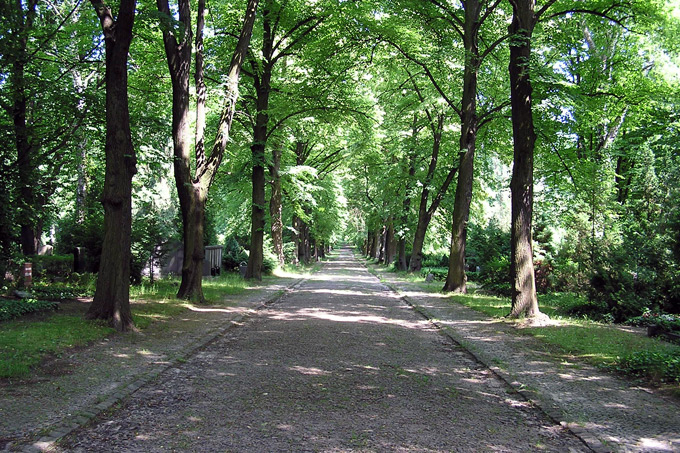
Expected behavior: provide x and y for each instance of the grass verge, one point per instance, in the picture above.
(26, 341)
(653, 360)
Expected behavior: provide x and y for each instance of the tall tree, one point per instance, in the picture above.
(112, 296)
(193, 188)
(281, 38)
(524, 298)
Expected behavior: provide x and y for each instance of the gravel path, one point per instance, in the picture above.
(74, 388)
(609, 413)
(339, 364)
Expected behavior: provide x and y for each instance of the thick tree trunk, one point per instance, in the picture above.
(262, 88)
(275, 205)
(112, 296)
(456, 280)
(416, 262)
(257, 217)
(524, 299)
(193, 216)
(193, 190)
(375, 244)
(25, 149)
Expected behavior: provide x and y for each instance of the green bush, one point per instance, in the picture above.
(435, 260)
(495, 276)
(51, 266)
(666, 321)
(233, 254)
(14, 308)
(439, 273)
(659, 366)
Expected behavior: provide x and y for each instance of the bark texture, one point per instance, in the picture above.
(192, 188)
(112, 296)
(262, 82)
(456, 279)
(524, 299)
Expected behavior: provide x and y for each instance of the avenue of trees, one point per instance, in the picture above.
(530, 146)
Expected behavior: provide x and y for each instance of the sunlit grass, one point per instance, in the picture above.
(593, 342)
(25, 342)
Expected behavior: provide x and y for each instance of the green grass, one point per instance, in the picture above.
(598, 344)
(595, 343)
(24, 343)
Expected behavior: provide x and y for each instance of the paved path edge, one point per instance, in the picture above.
(549, 407)
(84, 416)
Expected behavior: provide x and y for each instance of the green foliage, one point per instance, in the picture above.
(15, 308)
(233, 254)
(653, 365)
(52, 266)
(495, 276)
(666, 321)
(438, 273)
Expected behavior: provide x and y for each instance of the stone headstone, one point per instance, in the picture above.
(429, 278)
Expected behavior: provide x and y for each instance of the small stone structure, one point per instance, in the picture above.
(212, 262)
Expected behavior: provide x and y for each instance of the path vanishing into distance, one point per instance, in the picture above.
(342, 362)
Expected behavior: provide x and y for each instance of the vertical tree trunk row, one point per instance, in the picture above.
(112, 296)
(524, 299)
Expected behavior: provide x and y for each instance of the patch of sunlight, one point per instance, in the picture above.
(339, 292)
(329, 316)
(310, 371)
(121, 356)
(144, 352)
(285, 427)
(648, 444)
(615, 405)
(214, 310)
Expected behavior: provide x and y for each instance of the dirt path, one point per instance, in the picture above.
(339, 364)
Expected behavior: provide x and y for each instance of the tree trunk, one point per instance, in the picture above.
(25, 149)
(390, 243)
(193, 189)
(193, 217)
(456, 280)
(112, 296)
(402, 263)
(275, 205)
(256, 256)
(262, 88)
(375, 244)
(524, 299)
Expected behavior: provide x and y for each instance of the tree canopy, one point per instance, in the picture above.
(527, 146)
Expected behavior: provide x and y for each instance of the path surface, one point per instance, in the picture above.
(75, 387)
(609, 413)
(339, 364)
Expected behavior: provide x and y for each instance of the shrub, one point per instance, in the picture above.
(654, 318)
(233, 254)
(439, 273)
(14, 308)
(495, 276)
(435, 260)
(51, 266)
(659, 366)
